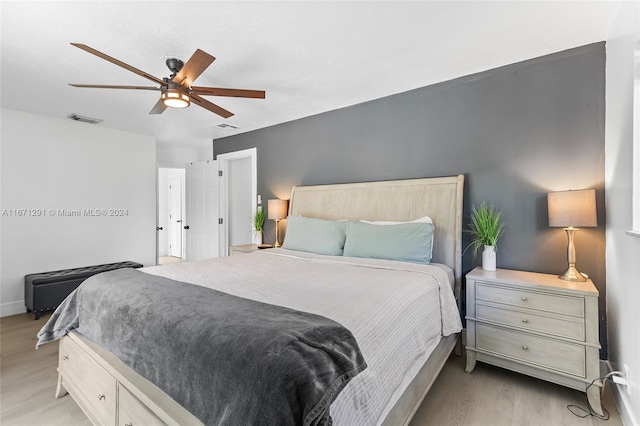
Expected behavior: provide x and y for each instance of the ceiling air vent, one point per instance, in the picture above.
(76, 117)
(226, 126)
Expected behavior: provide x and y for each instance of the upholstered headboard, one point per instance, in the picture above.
(397, 200)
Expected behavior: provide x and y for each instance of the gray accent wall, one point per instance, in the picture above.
(515, 132)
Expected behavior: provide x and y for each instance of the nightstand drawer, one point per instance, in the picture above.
(563, 327)
(565, 357)
(566, 305)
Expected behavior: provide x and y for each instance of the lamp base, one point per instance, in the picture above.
(572, 274)
(277, 243)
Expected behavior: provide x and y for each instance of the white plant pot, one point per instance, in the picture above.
(257, 237)
(489, 258)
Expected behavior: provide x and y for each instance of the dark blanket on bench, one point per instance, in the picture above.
(226, 359)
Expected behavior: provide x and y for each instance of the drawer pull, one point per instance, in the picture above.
(524, 320)
(65, 357)
(101, 397)
(524, 299)
(129, 424)
(525, 348)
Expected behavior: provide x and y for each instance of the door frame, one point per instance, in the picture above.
(251, 153)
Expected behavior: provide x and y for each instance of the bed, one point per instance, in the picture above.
(354, 286)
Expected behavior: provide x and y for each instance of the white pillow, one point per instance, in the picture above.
(423, 219)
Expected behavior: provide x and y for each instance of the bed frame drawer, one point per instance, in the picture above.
(91, 386)
(133, 412)
(88, 372)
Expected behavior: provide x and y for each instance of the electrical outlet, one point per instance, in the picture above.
(628, 377)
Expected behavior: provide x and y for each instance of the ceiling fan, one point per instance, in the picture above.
(176, 91)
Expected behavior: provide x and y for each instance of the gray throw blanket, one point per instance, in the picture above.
(226, 359)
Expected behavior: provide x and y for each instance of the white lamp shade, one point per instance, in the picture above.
(572, 208)
(277, 209)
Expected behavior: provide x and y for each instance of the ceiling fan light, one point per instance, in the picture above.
(175, 98)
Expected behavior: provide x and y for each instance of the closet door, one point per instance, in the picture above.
(202, 218)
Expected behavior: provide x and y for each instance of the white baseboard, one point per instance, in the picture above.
(620, 397)
(12, 308)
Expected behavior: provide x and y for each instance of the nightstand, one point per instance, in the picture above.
(242, 249)
(536, 324)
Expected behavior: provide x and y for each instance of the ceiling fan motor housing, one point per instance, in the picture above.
(174, 65)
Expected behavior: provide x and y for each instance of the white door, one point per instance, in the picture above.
(201, 223)
(175, 216)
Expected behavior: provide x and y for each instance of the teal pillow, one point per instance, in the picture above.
(407, 242)
(315, 235)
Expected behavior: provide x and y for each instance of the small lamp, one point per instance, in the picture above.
(568, 209)
(277, 210)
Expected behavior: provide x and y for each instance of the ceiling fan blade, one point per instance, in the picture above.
(117, 62)
(198, 62)
(108, 86)
(236, 93)
(210, 106)
(158, 108)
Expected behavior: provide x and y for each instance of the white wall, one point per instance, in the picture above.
(173, 156)
(205, 152)
(623, 251)
(53, 164)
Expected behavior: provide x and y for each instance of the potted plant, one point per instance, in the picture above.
(258, 225)
(486, 228)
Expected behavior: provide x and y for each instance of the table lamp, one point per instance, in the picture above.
(277, 210)
(569, 209)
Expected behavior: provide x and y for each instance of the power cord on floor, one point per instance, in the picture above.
(581, 412)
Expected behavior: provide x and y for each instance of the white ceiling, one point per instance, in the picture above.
(310, 57)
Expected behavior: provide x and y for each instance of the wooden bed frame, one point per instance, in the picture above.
(122, 396)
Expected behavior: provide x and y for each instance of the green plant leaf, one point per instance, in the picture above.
(486, 226)
(258, 220)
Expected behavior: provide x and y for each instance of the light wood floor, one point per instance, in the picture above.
(28, 377)
(493, 396)
(165, 260)
(489, 396)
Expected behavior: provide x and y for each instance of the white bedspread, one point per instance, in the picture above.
(397, 311)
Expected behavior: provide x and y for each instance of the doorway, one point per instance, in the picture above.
(239, 195)
(171, 208)
(237, 198)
